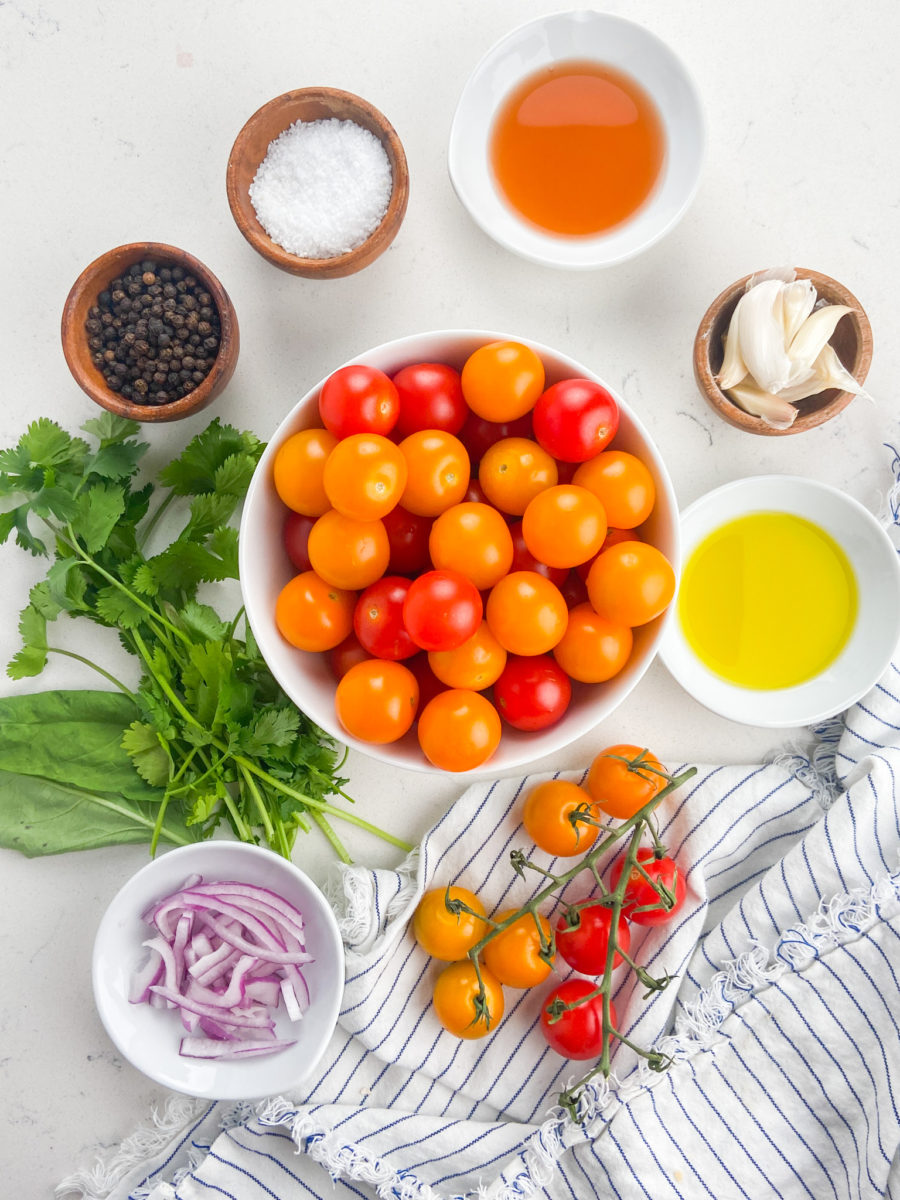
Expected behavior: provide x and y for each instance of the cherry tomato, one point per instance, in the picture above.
(364, 476)
(474, 540)
(564, 525)
(456, 991)
(313, 615)
(378, 619)
(527, 613)
(298, 471)
(577, 1032)
(475, 493)
(574, 590)
(408, 539)
(593, 649)
(513, 471)
(347, 553)
(532, 693)
(502, 380)
(631, 583)
(459, 730)
(376, 701)
(524, 560)
(547, 814)
(614, 537)
(430, 398)
(623, 485)
(295, 536)
(575, 419)
(358, 399)
(639, 894)
(478, 435)
(476, 664)
(582, 938)
(442, 610)
(624, 778)
(444, 934)
(514, 954)
(429, 684)
(437, 472)
(346, 654)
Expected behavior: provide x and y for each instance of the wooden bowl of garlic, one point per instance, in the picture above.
(782, 351)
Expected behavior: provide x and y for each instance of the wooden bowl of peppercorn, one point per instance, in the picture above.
(150, 333)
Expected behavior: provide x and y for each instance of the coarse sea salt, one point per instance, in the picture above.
(323, 187)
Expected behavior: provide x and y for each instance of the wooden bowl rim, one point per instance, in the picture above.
(245, 215)
(93, 279)
(728, 410)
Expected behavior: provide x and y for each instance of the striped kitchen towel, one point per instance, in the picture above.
(783, 1019)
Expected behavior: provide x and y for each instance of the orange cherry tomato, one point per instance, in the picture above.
(376, 701)
(476, 664)
(313, 615)
(514, 954)
(593, 648)
(502, 380)
(348, 553)
(513, 471)
(444, 934)
(299, 468)
(438, 472)
(564, 525)
(459, 730)
(622, 483)
(526, 613)
(364, 476)
(473, 539)
(456, 1004)
(547, 813)
(620, 787)
(631, 583)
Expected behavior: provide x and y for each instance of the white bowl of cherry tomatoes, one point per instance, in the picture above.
(458, 551)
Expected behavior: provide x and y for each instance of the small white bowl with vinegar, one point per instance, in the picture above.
(789, 603)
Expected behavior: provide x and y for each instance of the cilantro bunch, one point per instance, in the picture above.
(207, 729)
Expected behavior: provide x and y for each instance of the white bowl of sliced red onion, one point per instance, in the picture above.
(218, 971)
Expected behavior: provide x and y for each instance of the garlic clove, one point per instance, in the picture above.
(771, 408)
(832, 373)
(761, 331)
(799, 301)
(812, 336)
(734, 369)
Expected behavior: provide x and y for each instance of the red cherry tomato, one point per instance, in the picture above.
(639, 894)
(577, 1032)
(478, 435)
(408, 540)
(584, 944)
(358, 399)
(295, 535)
(429, 684)
(430, 398)
(346, 655)
(442, 610)
(575, 419)
(378, 619)
(533, 692)
(524, 560)
(574, 589)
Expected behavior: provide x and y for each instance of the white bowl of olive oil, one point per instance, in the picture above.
(789, 603)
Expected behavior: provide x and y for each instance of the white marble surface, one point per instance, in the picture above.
(117, 121)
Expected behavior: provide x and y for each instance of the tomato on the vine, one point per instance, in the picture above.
(376, 701)
(640, 893)
(444, 934)
(313, 615)
(378, 619)
(430, 397)
(502, 380)
(458, 730)
(631, 583)
(358, 399)
(575, 1032)
(456, 993)
(575, 419)
(547, 817)
(532, 692)
(582, 937)
(623, 778)
(514, 954)
(442, 610)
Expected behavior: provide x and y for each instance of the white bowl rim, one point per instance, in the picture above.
(253, 1078)
(547, 246)
(730, 700)
(546, 742)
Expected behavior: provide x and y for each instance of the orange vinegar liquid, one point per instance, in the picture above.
(577, 147)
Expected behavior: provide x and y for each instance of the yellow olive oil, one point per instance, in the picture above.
(767, 600)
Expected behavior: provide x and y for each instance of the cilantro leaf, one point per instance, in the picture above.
(32, 658)
(144, 747)
(109, 428)
(202, 621)
(208, 512)
(118, 460)
(98, 510)
(194, 471)
(67, 585)
(115, 607)
(275, 727)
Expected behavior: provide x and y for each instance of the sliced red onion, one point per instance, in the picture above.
(197, 1047)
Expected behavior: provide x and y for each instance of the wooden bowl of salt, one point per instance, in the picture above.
(317, 182)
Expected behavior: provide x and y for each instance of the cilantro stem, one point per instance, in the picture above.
(152, 523)
(261, 808)
(94, 667)
(164, 803)
(336, 844)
